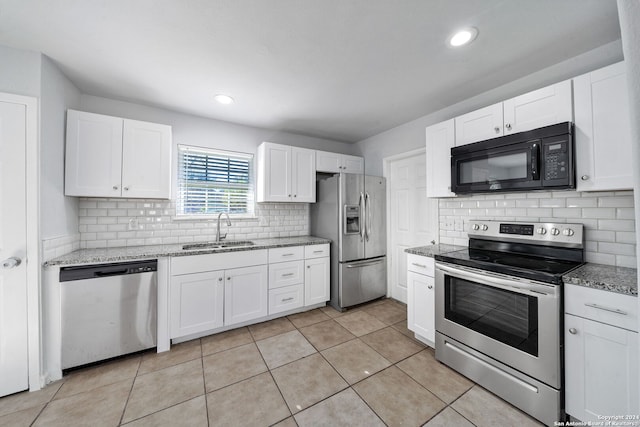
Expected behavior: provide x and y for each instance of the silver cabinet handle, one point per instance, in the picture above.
(430, 287)
(287, 254)
(318, 252)
(115, 187)
(220, 279)
(295, 195)
(497, 129)
(508, 126)
(10, 263)
(599, 307)
(573, 331)
(228, 278)
(419, 265)
(308, 266)
(289, 195)
(287, 299)
(584, 177)
(287, 275)
(126, 188)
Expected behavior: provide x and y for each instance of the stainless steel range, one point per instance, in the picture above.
(499, 310)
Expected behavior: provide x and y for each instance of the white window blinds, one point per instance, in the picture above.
(212, 181)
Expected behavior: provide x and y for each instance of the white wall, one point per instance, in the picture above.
(59, 214)
(410, 136)
(19, 71)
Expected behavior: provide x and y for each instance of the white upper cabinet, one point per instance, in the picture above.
(286, 174)
(440, 139)
(603, 132)
(479, 125)
(114, 157)
(542, 107)
(335, 163)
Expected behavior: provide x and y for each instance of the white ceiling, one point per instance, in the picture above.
(337, 69)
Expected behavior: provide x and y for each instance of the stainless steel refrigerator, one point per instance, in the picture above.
(351, 211)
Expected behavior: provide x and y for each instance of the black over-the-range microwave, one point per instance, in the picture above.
(539, 159)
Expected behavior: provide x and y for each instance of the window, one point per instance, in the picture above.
(213, 181)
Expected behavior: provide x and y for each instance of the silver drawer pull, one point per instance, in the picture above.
(287, 299)
(430, 287)
(287, 254)
(318, 252)
(287, 275)
(419, 265)
(599, 307)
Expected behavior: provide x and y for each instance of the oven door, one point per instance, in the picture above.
(514, 321)
(511, 167)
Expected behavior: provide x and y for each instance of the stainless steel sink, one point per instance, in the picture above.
(218, 245)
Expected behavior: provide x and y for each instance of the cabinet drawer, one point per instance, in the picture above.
(211, 262)
(291, 253)
(287, 298)
(421, 264)
(316, 251)
(602, 306)
(286, 274)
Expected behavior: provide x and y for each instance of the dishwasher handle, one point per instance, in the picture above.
(98, 271)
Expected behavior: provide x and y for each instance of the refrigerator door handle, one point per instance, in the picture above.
(364, 263)
(362, 205)
(367, 209)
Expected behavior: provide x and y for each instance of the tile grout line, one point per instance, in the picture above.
(126, 403)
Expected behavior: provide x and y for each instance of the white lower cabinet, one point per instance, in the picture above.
(601, 358)
(286, 298)
(421, 297)
(245, 294)
(316, 281)
(197, 303)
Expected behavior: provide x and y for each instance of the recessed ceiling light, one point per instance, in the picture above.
(463, 37)
(223, 99)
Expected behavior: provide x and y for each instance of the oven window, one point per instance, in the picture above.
(506, 316)
(495, 168)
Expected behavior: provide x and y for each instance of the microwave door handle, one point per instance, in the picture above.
(535, 164)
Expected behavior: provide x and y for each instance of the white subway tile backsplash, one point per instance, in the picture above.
(608, 218)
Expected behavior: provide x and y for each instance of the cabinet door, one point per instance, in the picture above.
(274, 173)
(328, 162)
(601, 369)
(485, 123)
(316, 281)
(196, 303)
(603, 131)
(440, 140)
(421, 305)
(352, 164)
(245, 294)
(93, 155)
(542, 107)
(303, 173)
(146, 160)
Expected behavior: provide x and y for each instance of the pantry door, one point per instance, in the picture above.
(412, 217)
(14, 292)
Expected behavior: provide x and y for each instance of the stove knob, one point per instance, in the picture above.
(476, 227)
(555, 231)
(541, 231)
(485, 227)
(568, 232)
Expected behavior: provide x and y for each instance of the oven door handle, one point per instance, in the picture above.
(499, 282)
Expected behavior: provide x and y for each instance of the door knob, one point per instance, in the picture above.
(497, 129)
(12, 262)
(508, 126)
(584, 177)
(573, 331)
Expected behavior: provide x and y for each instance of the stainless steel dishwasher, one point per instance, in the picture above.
(108, 310)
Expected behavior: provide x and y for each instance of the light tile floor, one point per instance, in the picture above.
(322, 367)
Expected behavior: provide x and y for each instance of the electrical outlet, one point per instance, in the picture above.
(133, 224)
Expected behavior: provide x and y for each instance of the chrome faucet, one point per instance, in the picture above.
(218, 237)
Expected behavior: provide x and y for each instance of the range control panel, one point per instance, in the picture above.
(558, 234)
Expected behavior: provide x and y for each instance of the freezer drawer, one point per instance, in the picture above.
(362, 281)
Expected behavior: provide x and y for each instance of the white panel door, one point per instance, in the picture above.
(246, 294)
(303, 174)
(542, 107)
(478, 125)
(14, 363)
(603, 130)
(412, 217)
(316, 281)
(93, 155)
(421, 306)
(440, 138)
(197, 303)
(146, 160)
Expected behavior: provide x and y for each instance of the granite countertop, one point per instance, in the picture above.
(432, 250)
(90, 256)
(610, 278)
